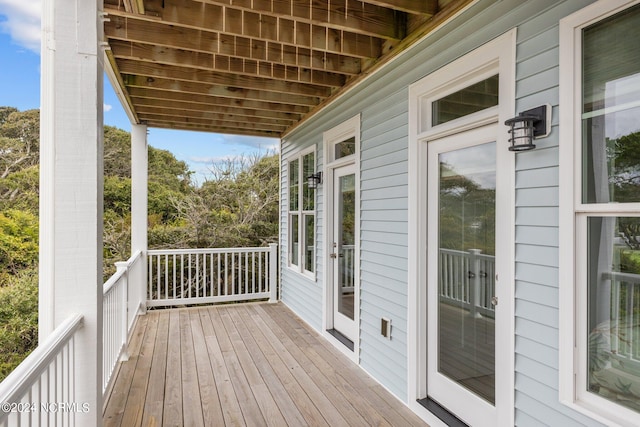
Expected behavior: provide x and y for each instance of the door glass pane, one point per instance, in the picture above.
(611, 110)
(466, 101)
(466, 268)
(346, 244)
(613, 343)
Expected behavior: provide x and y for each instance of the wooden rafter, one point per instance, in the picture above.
(254, 67)
(214, 62)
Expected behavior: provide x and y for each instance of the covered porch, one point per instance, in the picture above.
(247, 68)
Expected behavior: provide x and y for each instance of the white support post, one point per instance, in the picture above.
(71, 188)
(273, 272)
(139, 222)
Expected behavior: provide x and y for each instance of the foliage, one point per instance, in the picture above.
(18, 320)
(19, 140)
(467, 213)
(237, 207)
(18, 241)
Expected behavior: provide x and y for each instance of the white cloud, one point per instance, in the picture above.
(105, 107)
(21, 20)
(253, 142)
(210, 160)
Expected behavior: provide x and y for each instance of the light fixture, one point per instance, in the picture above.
(314, 180)
(527, 126)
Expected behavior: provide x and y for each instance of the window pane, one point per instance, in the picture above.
(295, 240)
(611, 110)
(469, 100)
(294, 189)
(308, 194)
(614, 309)
(345, 148)
(309, 244)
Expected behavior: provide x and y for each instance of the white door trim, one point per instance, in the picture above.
(499, 56)
(347, 129)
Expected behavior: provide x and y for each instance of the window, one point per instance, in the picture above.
(302, 213)
(471, 99)
(600, 93)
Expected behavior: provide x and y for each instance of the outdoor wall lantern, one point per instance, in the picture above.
(528, 125)
(314, 180)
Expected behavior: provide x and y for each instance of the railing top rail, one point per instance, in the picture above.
(622, 277)
(466, 253)
(111, 282)
(18, 382)
(206, 251)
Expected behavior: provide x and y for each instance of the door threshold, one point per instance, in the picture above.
(343, 340)
(441, 412)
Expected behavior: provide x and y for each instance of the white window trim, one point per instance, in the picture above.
(496, 56)
(572, 224)
(300, 267)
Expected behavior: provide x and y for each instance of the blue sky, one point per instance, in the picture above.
(20, 88)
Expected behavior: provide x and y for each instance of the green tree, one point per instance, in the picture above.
(18, 320)
(238, 206)
(18, 242)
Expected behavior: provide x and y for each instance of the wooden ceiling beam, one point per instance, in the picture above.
(416, 7)
(311, 37)
(142, 103)
(130, 28)
(255, 126)
(353, 16)
(223, 63)
(230, 120)
(215, 102)
(208, 128)
(172, 72)
(217, 90)
(211, 115)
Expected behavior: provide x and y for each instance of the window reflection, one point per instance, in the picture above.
(614, 309)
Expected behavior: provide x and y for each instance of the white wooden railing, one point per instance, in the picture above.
(118, 315)
(468, 279)
(33, 393)
(347, 268)
(625, 308)
(196, 276)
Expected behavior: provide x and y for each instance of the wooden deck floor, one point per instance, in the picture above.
(253, 365)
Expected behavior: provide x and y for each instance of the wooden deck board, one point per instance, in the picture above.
(236, 365)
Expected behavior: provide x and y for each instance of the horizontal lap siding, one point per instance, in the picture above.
(536, 215)
(302, 294)
(383, 249)
(382, 103)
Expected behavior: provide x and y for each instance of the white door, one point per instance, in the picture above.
(343, 256)
(464, 258)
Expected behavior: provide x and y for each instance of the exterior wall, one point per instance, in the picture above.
(302, 294)
(382, 102)
(536, 245)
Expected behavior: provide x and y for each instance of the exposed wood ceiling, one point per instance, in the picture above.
(254, 67)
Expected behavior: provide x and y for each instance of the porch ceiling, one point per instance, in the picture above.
(254, 67)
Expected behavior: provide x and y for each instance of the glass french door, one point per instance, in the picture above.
(461, 263)
(344, 256)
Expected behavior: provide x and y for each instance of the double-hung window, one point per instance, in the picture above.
(600, 211)
(302, 207)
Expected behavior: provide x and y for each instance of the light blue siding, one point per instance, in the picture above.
(382, 101)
